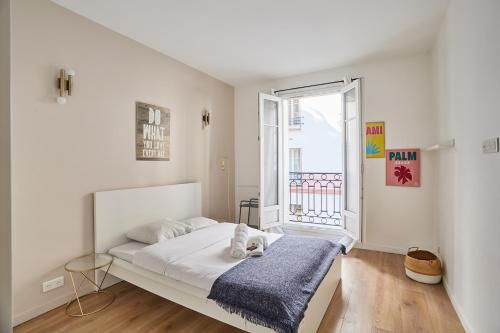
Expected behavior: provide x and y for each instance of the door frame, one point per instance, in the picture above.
(281, 206)
(283, 128)
(356, 84)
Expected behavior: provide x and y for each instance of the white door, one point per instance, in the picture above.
(271, 161)
(351, 108)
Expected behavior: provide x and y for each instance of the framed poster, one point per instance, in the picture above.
(402, 167)
(152, 132)
(375, 139)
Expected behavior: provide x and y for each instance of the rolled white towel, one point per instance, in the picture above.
(231, 244)
(259, 251)
(242, 227)
(239, 243)
(256, 240)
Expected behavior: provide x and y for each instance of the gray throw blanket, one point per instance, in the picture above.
(274, 290)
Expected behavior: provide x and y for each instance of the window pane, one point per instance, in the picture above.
(270, 166)
(351, 177)
(350, 103)
(270, 112)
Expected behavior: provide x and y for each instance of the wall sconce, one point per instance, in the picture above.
(205, 118)
(65, 84)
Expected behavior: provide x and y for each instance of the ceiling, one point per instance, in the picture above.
(241, 42)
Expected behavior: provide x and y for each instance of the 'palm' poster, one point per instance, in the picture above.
(402, 167)
(375, 139)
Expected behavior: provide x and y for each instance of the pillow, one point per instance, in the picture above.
(157, 231)
(195, 223)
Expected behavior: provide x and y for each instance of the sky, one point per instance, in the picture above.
(322, 103)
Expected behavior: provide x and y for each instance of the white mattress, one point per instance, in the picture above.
(197, 258)
(128, 250)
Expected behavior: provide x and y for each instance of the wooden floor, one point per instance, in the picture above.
(374, 296)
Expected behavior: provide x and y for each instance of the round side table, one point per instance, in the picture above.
(82, 265)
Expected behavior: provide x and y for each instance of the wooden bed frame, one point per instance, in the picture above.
(116, 212)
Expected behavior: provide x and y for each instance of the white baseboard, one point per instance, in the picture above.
(456, 306)
(381, 248)
(43, 308)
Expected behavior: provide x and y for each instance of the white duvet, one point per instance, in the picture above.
(197, 258)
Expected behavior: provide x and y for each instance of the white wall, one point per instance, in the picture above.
(63, 153)
(467, 68)
(5, 188)
(397, 91)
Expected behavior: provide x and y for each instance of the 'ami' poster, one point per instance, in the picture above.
(402, 167)
(375, 139)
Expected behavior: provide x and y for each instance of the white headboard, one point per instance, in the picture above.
(116, 212)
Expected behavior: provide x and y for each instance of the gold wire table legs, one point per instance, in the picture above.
(78, 298)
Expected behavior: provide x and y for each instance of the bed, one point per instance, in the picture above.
(116, 212)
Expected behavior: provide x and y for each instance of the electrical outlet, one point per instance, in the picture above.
(222, 164)
(53, 284)
(490, 145)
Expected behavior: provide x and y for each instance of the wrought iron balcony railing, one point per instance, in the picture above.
(315, 197)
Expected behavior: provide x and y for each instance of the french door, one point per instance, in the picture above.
(271, 206)
(273, 144)
(352, 152)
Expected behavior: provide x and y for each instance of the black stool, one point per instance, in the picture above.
(252, 203)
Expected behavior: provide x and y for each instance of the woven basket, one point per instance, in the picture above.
(423, 266)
